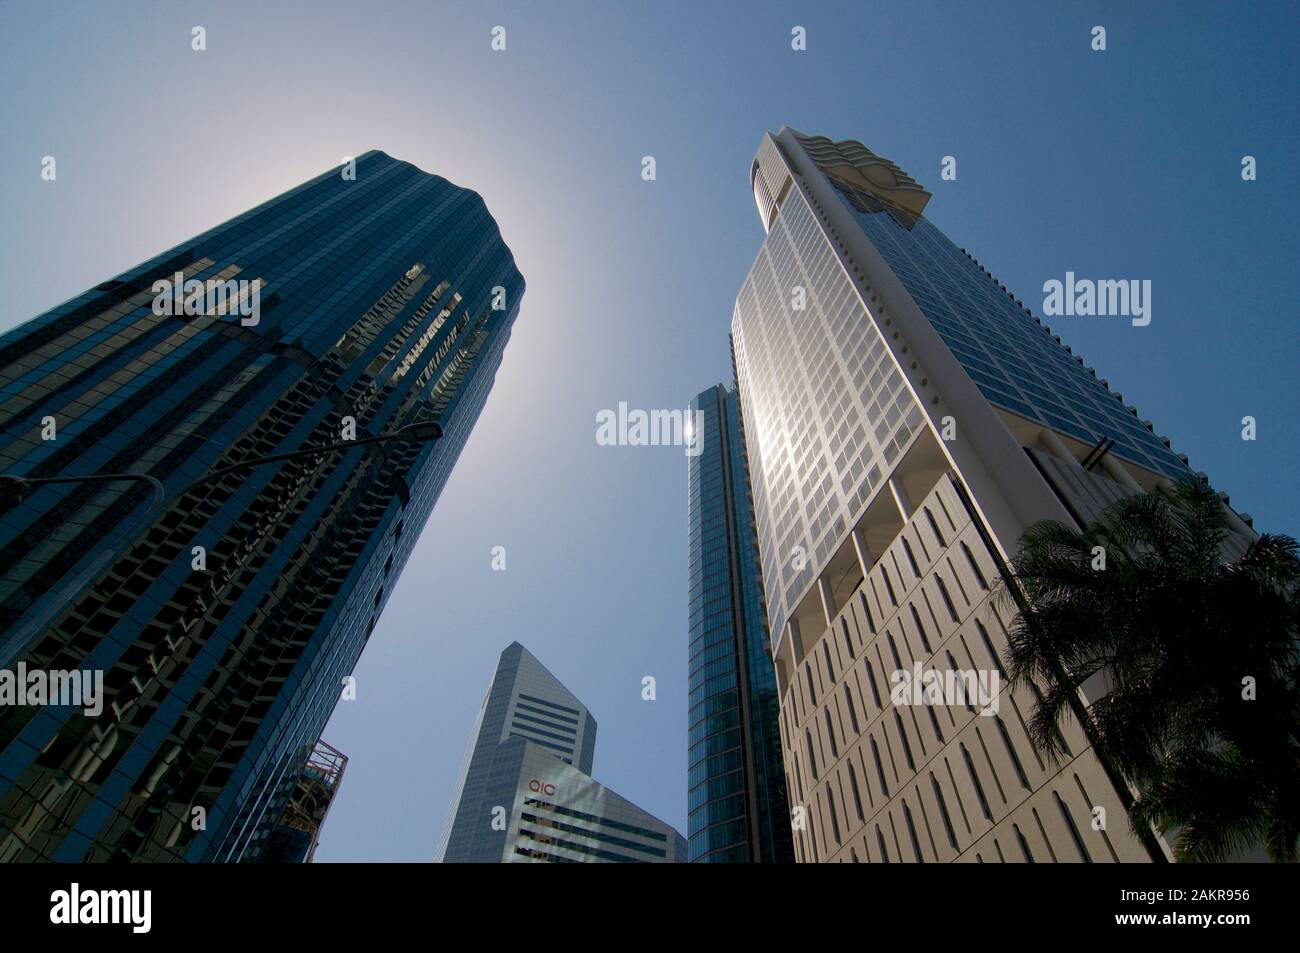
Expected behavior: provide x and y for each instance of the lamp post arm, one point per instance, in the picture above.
(291, 455)
(47, 607)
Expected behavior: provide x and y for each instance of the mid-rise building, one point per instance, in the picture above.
(736, 795)
(294, 838)
(906, 420)
(525, 792)
(225, 597)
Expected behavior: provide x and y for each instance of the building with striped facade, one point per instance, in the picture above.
(525, 793)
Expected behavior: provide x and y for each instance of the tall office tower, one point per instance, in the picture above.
(739, 809)
(906, 420)
(525, 792)
(226, 611)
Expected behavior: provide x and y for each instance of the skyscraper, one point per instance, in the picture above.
(525, 792)
(739, 810)
(906, 419)
(226, 612)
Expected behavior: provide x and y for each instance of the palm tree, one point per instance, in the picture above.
(1188, 661)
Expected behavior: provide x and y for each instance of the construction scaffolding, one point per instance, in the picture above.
(318, 782)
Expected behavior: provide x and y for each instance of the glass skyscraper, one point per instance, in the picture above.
(525, 792)
(737, 802)
(225, 613)
(906, 420)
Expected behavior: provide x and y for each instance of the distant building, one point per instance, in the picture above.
(736, 793)
(294, 838)
(525, 792)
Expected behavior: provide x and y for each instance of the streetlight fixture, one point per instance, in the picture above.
(424, 431)
(14, 489)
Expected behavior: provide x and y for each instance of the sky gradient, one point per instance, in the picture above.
(1122, 164)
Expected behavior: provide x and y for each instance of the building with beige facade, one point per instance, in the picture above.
(906, 420)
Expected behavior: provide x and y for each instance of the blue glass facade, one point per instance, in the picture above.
(385, 300)
(737, 801)
(1016, 363)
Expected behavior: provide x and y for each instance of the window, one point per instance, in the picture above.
(965, 695)
(871, 622)
(902, 734)
(911, 832)
(943, 810)
(1011, 751)
(853, 712)
(975, 780)
(934, 721)
(911, 557)
(880, 768)
(830, 732)
(857, 797)
(889, 586)
(947, 599)
(988, 647)
(916, 618)
(871, 680)
(848, 639)
(893, 650)
(970, 558)
(1024, 844)
(1074, 830)
(835, 820)
(935, 526)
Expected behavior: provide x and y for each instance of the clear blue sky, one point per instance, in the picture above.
(1117, 164)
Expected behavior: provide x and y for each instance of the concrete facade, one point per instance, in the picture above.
(907, 420)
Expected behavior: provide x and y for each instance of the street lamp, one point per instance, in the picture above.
(424, 431)
(14, 489)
